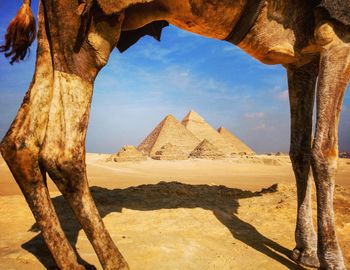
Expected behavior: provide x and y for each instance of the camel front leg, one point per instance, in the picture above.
(333, 79)
(302, 82)
(20, 149)
(63, 157)
(78, 56)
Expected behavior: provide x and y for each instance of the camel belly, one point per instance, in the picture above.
(213, 19)
(279, 54)
(270, 41)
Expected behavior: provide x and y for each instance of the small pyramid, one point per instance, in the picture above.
(237, 143)
(207, 150)
(128, 153)
(170, 152)
(169, 130)
(202, 130)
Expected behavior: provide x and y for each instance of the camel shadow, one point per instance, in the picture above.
(221, 200)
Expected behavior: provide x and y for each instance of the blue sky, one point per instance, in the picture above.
(182, 72)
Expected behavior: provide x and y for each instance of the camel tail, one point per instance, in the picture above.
(20, 34)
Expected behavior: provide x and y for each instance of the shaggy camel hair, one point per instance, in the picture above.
(75, 39)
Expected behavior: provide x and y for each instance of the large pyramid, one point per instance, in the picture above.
(169, 130)
(202, 130)
(231, 138)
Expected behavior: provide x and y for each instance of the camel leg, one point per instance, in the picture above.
(20, 149)
(334, 76)
(77, 61)
(78, 57)
(63, 157)
(302, 82)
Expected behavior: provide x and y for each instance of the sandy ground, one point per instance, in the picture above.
(173, 215)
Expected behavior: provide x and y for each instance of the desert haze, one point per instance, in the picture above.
(184, 214)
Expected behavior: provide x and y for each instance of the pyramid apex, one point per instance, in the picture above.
(167, 131)
(169, 117)
(193, 116)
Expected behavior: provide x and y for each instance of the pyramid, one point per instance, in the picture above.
(237, 143)
(202, 130)
(128, 153)
(169, 152)
(207, 150)
(169, 130)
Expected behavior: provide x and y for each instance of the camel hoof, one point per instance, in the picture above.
(305, 258)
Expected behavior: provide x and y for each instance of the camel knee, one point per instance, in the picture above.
(300, 158)
(325, 33)
(9, 146)
(15, 149)
(324, 161)
(67, 171)
(22, 158)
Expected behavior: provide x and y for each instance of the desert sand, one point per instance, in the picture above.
(187, 214)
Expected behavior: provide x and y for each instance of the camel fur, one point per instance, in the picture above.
(75, 39)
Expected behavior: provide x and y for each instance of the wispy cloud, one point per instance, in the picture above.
(279, 92)
(254, 115)
(261, 126)
(282, 95)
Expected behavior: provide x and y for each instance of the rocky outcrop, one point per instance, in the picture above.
(344, 154)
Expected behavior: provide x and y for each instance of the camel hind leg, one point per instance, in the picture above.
(20, 149)
(334, 76)
(302, 82)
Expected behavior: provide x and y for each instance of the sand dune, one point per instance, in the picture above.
(195, 214)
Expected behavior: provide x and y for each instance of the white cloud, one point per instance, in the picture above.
(261, 126)
(282, 95)
(184, 74)
(254, 115)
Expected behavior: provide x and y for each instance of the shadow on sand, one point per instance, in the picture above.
(221, 200)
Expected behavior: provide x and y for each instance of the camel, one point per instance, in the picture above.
(311, 39)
